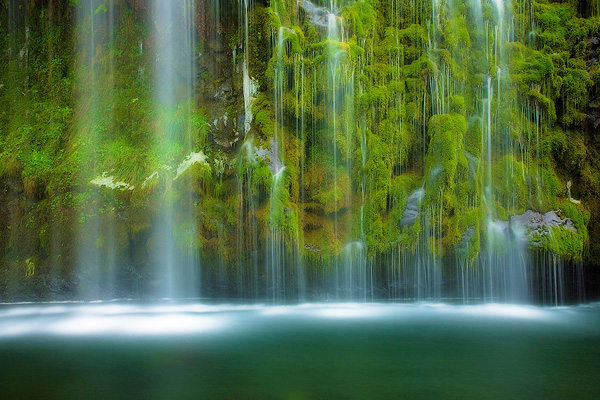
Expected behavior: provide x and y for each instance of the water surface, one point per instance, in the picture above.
(315, 351)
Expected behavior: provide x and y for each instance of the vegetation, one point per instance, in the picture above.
(490, 118)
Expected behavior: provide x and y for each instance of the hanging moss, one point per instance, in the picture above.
(362, 18)
(457, 33)
(445, 148)
(568, 243)
(470, 240)
(391, 74)
(511, 178)
(545, 104)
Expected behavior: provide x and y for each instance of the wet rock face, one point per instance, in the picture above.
(319, 16)
(313, 247)
(217, 93)
(270, 154)
(536, 226)
(411, 211)
(466, 237)
(593, 114)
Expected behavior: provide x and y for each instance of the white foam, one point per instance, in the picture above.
(109, 182)
(191, 159)
(159, 319)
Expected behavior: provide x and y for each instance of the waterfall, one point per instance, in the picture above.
(299, 150)
(96, 247)
(173, 253)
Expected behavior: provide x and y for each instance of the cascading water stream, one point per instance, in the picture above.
(177, 264)
(96, 258)
(332, 68)
(344, 149)
(277, 262)
(277, 266)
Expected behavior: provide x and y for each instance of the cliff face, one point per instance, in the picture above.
(307, 149)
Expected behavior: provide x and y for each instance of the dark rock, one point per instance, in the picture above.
(216, 44)
(593, 116)
(466, 237)
(241, 120)
(319, 16)
(534, 225)
(411, 211)
(473, 163)
(271, 157)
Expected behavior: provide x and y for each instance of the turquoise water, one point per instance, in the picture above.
(315, 351)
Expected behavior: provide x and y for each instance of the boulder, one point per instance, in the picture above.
(535, 226)
(411, 211)
(319, 16)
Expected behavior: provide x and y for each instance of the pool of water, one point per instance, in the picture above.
(311, 351)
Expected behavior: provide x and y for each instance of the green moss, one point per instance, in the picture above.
(564, 242)
(469, 246)
(263, 117)
(457, 32)
(511, 177)
(420, 67)
(551, 188)
(575, 85)
(444, 158)
(528, 66)
(378, 173)
(545, 104)
(446, 133)
(473, 137)
(457, 104)
(57, 131)
(361, 16)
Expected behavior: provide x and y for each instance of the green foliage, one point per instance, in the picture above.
(445, 149)
(567, 243)
(362, 17)
(29, 268)
(400, 102)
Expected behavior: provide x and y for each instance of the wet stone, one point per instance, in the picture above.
(411, 211)
(534, 224)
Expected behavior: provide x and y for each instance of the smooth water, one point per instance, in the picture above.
(309, 351)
